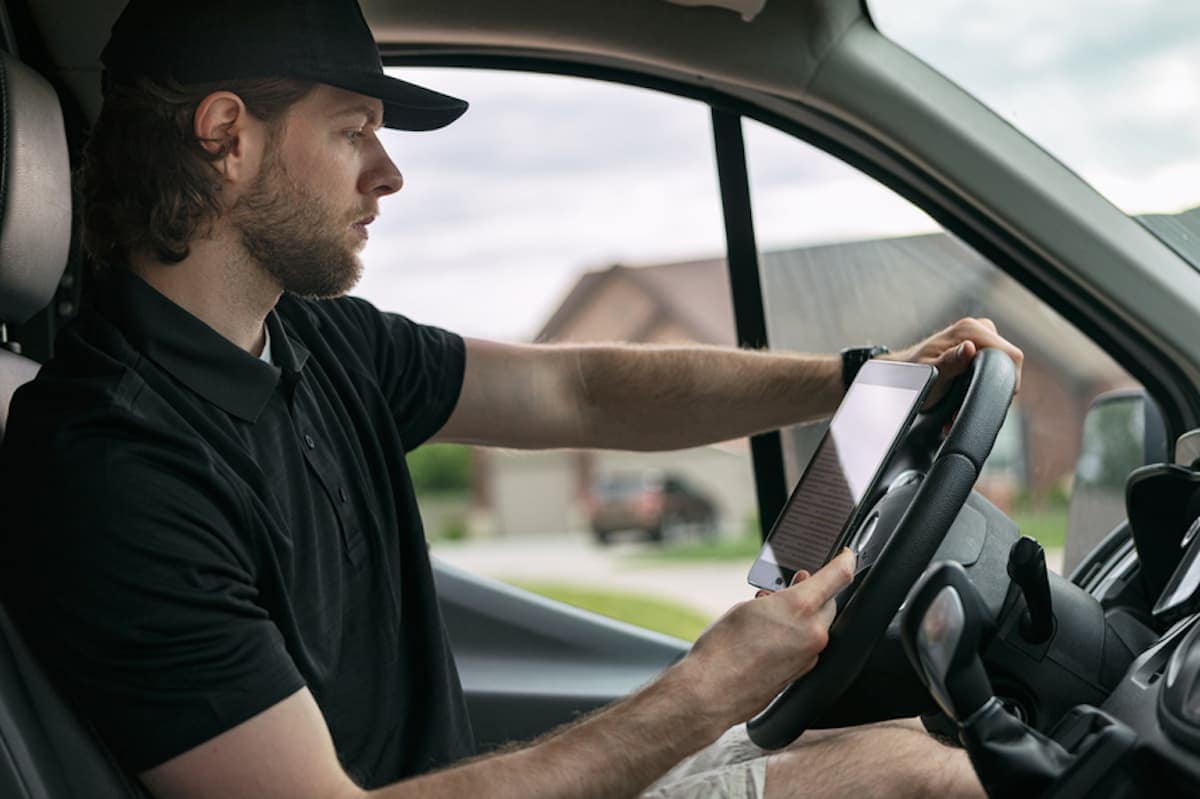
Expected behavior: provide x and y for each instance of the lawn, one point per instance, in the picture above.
(1047, 526)
(720, 550)
(652, 613)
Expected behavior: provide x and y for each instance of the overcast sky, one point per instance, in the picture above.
(546, 177)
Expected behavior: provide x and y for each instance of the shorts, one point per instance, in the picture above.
(733, 767)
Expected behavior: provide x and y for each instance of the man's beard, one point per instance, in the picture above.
(294, 236)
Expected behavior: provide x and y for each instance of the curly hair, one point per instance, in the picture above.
(147, 183)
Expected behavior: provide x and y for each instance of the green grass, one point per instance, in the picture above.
(1047, 526)
(652, 613)
(721, 550)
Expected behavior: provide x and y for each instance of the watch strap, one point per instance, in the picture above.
(854, 357)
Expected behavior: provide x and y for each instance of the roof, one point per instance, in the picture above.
(693, 295)
(926, 282)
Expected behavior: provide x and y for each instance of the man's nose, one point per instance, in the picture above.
(384, 178)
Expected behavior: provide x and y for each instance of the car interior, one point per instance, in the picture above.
(1084, 684)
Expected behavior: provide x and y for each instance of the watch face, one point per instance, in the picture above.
(854, 357)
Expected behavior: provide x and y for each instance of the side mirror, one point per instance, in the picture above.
(1122, 431)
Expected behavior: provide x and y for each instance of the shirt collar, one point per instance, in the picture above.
(195, 354)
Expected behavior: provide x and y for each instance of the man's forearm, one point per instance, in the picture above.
(655, 398)
(623, 396)
(736, 665)
(616, 752)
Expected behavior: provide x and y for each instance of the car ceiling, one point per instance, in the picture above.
(777, 52)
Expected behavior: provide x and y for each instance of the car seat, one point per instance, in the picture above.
(45, 751)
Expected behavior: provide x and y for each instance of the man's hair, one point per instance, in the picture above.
(147, 182)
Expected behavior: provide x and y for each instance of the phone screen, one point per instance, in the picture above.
(876, 411)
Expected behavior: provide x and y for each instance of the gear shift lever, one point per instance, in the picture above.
(943, 627)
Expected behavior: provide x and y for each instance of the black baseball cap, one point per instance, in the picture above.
(325, 41)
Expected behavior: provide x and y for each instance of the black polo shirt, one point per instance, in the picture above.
(192, 535)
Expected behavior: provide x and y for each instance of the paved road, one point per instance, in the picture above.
(710, 588)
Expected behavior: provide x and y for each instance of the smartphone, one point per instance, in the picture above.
(825, 505)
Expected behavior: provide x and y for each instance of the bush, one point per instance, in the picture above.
(441, 469)
(453, 530)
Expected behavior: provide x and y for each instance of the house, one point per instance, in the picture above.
(815, 299)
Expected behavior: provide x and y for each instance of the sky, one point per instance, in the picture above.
(1110, 87)
(546, 177)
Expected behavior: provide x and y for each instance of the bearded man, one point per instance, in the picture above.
(216, 550)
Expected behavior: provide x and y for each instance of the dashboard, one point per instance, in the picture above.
(1144, 737)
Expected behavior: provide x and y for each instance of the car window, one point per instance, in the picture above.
(844, 261)
(567, 210)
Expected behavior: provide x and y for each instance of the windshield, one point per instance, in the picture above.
(1109, 87)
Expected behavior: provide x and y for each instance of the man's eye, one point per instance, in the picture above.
(355, 135)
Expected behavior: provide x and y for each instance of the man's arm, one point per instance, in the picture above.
(632, 397)
(657, 398)
(736, 667)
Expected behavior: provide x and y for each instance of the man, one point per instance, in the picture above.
(217, 551)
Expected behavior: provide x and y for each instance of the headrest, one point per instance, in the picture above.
(35, 192)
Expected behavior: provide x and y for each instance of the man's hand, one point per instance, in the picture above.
(756, 649)
(952, 350)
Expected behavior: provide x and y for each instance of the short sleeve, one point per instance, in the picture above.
(139, 591)
(419, 367)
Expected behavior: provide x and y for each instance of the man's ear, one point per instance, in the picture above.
(226, 130)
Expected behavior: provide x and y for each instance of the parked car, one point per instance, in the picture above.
(817, 75)
(656, 505)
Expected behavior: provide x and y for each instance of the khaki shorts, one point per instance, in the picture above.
(731, 768)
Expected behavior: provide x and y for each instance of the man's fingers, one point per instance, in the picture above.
(830, 579)
(988, 336)
(978, 333)
(955, 360)
(1009, 349)
(798, 577)
(827, 613)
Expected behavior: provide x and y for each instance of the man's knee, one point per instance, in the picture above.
(876, 761)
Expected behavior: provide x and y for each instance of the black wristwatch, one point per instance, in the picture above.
(854, 357)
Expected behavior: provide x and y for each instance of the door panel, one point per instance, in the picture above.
(529, 664)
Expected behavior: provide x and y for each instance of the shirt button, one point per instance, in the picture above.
(310, 441)
(341, 493)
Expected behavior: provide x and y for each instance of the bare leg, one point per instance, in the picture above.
(891, 760)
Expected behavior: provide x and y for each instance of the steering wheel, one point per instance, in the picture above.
(953, 469)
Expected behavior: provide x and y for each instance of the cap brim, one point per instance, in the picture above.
(406, 106)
